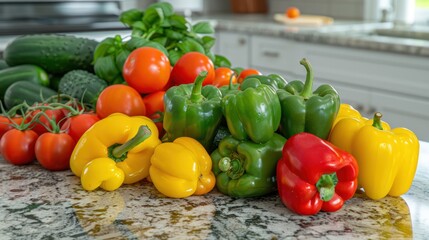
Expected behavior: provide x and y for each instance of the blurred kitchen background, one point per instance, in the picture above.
(376, 52)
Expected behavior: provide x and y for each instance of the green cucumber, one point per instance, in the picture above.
(82, 85)
(57, 54)
(28, 73)
(3, 64)
(29, 92)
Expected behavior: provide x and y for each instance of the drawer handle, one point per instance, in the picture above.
(271, 54)
(241, 41)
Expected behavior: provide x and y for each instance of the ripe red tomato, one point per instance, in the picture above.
(119, 98)
(247, 72)
(53, 150)
(42, 125)
(223, 75)
(189, 66)
(154, 104)
(147, 70)
(17, 146)
(6, 124)
(77, 125)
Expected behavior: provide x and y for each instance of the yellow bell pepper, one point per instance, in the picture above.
(115, 150)
(346, 111)
(182, 168)
(387, 158)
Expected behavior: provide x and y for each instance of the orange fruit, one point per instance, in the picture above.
(292, 12)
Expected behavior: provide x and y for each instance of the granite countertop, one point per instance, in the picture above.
(356, 34)
(39, 204)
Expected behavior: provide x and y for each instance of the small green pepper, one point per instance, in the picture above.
(247, 169)
(307, 111)
(192, 110)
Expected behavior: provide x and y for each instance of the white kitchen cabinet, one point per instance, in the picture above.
(396, 85)
(234, 46)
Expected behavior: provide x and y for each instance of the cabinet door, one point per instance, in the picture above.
(234, 46)
(404, 111)
(278, 54)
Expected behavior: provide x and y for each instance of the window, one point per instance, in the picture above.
(422, 11)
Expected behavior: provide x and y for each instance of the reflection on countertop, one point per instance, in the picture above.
(38, 204)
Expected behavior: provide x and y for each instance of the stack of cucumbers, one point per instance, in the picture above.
(36, 67)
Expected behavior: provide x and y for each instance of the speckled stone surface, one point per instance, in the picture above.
(38, 204)
(363, 35)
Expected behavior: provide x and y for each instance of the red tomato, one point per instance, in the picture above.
(53, 150)
(6, 124)
(247, 72)
(119, 98)
(40, 126)
(77, 125)
(154, 104)
(147, 70)
(189, 66)
(17, 147)
(223, 75)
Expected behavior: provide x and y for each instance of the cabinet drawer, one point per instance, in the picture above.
(235, 47)
(274, 53)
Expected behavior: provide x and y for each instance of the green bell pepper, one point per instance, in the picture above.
(247, 169)
(307, 111)
(274, 80)
(253, 112)
(193, 110)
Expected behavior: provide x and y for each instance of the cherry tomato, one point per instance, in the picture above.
(17, 146)
(53, 150)
(147, 70)
(189, 66)
(119, 98)
(42, 125)
(154, 104)
(247, 72)
(77, 125)
(6, 124)
(223, 75)
(292, 12)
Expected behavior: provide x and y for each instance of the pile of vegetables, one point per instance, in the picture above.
(159, 106)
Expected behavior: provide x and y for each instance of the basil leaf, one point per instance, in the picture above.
(121, 57)
(130, 16)
(221, 61)
(178, 21)
(160, 40)
(165, 7)
(190, 45)
(105, 68)
(174, 56)
(103, 47)
(208, 42)
(153, 16)
(135, 42)
(173, 34)
(139, 25)
(203, 28)
(157, 46)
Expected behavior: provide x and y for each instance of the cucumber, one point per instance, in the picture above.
(30, 92)
(28, 73)
(3, 64)
(57, 54)
(82, 85)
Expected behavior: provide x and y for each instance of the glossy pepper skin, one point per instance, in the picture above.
(307, 111)
(192, 111)
(276, 81)
(252, 113)
(313, 175)
(182, 168)
(387, 157)
(246, 169)
(115, 150)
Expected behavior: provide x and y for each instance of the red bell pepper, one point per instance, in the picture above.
(313, 175)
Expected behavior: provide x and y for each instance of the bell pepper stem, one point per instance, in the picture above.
(377, 121)
(326, 186)
(232, 167)
(119, 152)
(196, 95)
(308, 85)
(230, 81)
